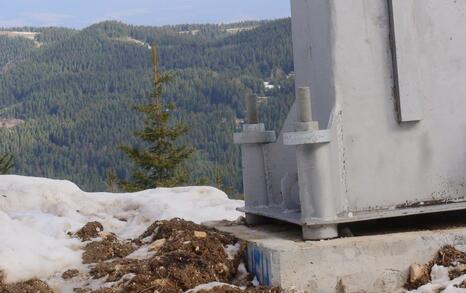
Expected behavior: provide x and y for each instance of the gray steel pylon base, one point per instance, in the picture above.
(252, 219)
(320, 232)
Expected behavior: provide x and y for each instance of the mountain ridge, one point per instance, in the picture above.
(75, 94)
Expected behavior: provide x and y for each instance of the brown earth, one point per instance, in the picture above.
(176, 256)
(106, 249)
(448, 257)
(70, 274)
(31, 286)
(186, 255)
(183, 256)
(89, 231)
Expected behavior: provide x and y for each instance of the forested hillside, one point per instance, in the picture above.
(71, 94)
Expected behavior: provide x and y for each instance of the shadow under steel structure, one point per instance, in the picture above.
(378, 128)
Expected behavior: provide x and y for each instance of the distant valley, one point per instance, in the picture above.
(66, 95)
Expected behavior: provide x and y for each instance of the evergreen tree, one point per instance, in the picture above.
(220, 181)
(112, 181)
(159, 163)
(6, 163)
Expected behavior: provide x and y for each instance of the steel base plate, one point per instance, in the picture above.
(294, 217)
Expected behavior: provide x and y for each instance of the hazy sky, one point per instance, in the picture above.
(81, 13)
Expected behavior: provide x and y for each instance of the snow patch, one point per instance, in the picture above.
(268, 85)
(439, 274)
(142, 253)
(37, 214)
(441, 282)
(232, 250)
(210, 286)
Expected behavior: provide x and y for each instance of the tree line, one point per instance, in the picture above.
(76, 94)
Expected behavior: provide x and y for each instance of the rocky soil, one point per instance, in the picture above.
(448, 257)
(36, 286)
(170, 256)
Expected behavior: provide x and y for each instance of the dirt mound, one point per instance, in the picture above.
(33, 286)
(89, 231)
(109, 248)
(448, 257)
(182, 255)
(70, 274)
(170, 256)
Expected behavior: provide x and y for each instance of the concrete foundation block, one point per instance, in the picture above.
(377, 263)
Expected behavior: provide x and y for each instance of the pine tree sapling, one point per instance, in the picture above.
(159, 162)
(219, 174)
(6, 163)
(112, 181)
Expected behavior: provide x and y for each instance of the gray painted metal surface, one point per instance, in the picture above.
(307, 137)
(386, 134)
(405, 54)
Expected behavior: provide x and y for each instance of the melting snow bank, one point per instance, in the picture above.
(38, 216)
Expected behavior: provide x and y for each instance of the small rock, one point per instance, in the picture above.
(418, 274)
(89, 231)
(200, 234)
(224, 268)
(156, 245)
(341, 287)
(70, 274)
